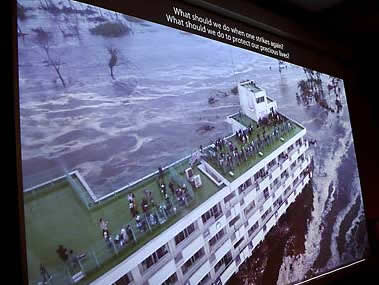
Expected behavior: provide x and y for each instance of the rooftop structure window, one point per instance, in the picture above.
(260, 99)
(193, 259)
(155, 257)
(185, 233)
(215, 211)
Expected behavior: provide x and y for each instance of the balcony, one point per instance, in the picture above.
(224, 247)
(276, 186)
(263, 182)
(213, 248)
(231, 202)
(195, 267)
(192, 247)
(238, 233)
(247, 190)
(214, 225)
(275, 171)
(228, 272)
(199, 274)
(156, 268)
(164, 271)
(233, 212)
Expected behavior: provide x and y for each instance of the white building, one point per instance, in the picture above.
(209, 244)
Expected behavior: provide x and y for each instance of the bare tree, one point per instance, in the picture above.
(113, 52)
(43, 40)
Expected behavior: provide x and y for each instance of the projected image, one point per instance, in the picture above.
(154, 156)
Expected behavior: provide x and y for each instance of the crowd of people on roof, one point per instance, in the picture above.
(250, 141)
(151, 214)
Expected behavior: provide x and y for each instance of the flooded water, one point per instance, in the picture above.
(156, 111)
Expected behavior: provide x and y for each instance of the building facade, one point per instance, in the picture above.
(208, 245)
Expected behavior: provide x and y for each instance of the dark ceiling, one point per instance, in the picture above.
(340, 18)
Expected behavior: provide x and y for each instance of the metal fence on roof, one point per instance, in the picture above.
(119, 244)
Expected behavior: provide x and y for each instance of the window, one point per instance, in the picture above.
(125, 280)
(205, 279)
(229, 197)
(256, 176)
(190, 262)
(238, 242)
(184, 233)
(171, 280)
(155, 257)
(262, 173)
(225, 260)
(260, 99)
(244, 185)
(264, 216)
(215, 211)
(253, 228)
(266, 193)
(271, 163)
(234, 220)
(278, 202)
(284, 174)
(216, 238)
(249, 208)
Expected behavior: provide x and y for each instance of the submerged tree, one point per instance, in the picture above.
(113, 52)
(44, 40)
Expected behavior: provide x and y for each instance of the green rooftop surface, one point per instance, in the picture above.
(54, 215)
(253, 160)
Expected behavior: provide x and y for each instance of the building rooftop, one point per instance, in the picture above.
(55, 214)
(265, 150)
(251, 86)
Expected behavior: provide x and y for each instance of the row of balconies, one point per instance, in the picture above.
(223, 245)
(236, 205)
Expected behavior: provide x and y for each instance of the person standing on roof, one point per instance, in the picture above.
(44, 274)
(104, 226)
